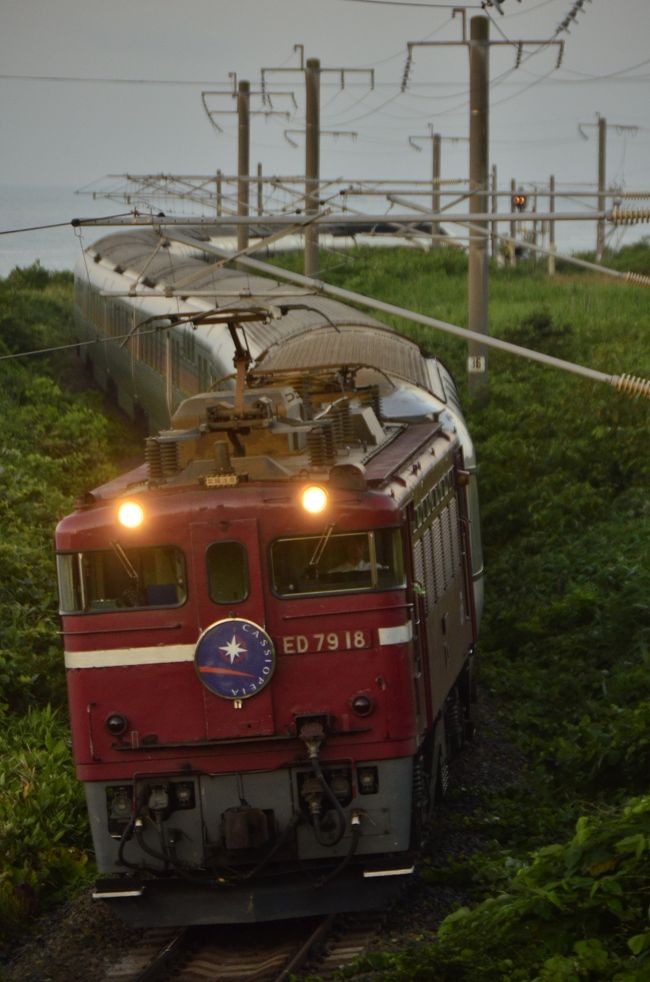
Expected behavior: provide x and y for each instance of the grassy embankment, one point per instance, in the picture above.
(55, 443)
(566, 516)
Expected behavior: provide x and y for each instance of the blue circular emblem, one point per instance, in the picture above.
(234, 658)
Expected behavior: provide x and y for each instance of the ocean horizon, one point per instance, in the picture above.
(29, 207)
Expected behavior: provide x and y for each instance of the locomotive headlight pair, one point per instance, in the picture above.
(130, 514)
(314, 499)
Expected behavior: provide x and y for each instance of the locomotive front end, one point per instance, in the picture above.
(255, 716)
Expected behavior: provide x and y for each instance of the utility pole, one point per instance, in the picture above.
(312, 161)
(436, 140)
(479, 47)
(602, 184)
(312, 71)
(479, 202)
(436, 148)
(512, 249)
(551, 226)
(243, 159)
(242, 93)
(602, 150)
(494, 247)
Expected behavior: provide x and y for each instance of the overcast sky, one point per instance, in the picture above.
(73, 132)
(69, 132)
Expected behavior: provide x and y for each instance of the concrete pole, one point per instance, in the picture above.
(243, 159)
(260, 196)
(600, 227)
(551, 226)
(435, 186)
(479, 49)
(512, 249)
(494, 250)
(312, 161)
(218, 193)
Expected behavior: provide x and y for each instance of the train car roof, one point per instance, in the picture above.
(146, 257)
(386, 351)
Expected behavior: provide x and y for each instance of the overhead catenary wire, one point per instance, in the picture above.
(96, 80)
(638, 279)
(74, 222)
(629, 384)
(80, 344)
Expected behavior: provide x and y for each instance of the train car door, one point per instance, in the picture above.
(235, 658)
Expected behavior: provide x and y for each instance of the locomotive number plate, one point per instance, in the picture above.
(301, 644)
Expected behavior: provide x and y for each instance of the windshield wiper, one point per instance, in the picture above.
(127, 565)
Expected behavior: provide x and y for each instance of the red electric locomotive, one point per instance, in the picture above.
(269, 632)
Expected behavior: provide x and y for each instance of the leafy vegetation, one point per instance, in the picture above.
(55, 443)
(576, 910)
(43, 829)
(565, 646)
(562, 889)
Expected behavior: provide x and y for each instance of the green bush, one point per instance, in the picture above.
(43, 826)
(54, 445)
(577, 910)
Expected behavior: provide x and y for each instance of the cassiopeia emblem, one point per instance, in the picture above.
(234, 658)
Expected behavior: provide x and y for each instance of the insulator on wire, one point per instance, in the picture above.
(342, 423)
(407, 70)
(631, 385)
(631, 216)
(320, 443)
(639, 279)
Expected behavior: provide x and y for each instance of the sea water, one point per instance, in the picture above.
(26, 207)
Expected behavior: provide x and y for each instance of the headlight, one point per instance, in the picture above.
(314, 499)
(130, 514)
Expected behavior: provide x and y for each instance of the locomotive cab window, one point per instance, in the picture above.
(227, 572)
(341, 563)
(117, 578)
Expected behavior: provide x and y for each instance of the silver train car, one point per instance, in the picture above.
(136, 294)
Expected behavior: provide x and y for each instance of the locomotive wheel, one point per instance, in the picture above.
(440, 782)
(423, 797)
(455, 723)
(430, 783)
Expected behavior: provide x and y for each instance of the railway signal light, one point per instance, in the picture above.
(519, 201)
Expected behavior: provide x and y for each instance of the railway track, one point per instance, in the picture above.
(271, 952)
